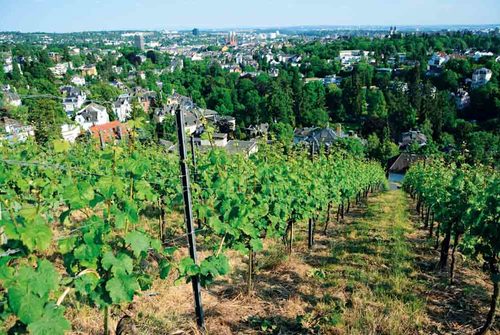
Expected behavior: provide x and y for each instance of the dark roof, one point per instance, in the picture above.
(402, 162)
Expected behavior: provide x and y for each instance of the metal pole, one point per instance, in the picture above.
(193, 158)
(195, 172)
(188, 211)
(101, 140)
(310, 239)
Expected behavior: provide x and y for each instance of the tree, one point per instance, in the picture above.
(103, 92)
(352, 95)
(402, 115)
(279, 104)
(313, 111)
(484, 147)
(47, 116)
(351, 145)
(377, 107)
(334, 103)
(485, 103)
(282, 132)
(448, 80)
(220, 100)
(298, 96)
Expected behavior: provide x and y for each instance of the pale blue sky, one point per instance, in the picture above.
(80, 15)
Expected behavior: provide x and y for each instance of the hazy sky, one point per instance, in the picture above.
(80, 15)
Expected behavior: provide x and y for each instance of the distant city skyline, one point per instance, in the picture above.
(97, 15)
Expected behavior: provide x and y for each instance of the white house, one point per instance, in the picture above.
(70, 132)
(479, 54)
(122, 107)
(218, 139)
(78, 81)
(7, 64)
(14, 130)
(347, 57)
(74, 99)
(481, 77)
(60, 69)
(92, 115)
(437, 60)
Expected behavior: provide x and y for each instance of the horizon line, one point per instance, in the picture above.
(305, 26)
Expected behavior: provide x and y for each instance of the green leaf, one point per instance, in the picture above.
(65, 245)
(187, 267)
(256, 245)
(86, 284)
(46, 280)
(164, 268)
(122, 287)
(52, 322)
(121, 263)
(27, 306)
(28, 212)
(61, 146)
(139, 242)
(36, 236)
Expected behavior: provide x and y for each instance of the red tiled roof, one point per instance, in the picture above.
(110, 131)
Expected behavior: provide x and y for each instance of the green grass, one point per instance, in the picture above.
(370, 270)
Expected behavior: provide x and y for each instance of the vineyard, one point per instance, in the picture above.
(96, 224)
(460, 206)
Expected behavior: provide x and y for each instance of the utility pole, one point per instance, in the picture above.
(188, 211)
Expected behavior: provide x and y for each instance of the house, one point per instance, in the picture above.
(118, 84)
(218, 140)
(257, 130)
(225, 123)
(402, 162)
(333, 79)
(410, 137)
(92, 115)
(109, 132)
(320, 136)
(191, 122)
(437, 60)
(12, 99)
(481, 77)
(14, 131)
(462, 99)
(349, 57)
(160, 113)
(7, 63)
(247, 148)
(89, 71)
(60, 69)
(177, 64)
(78, 81)
(74, 98)
(73, 51)
(145, 98)
(480, 54)
(56, 57)
(70, 132)
(122, 107)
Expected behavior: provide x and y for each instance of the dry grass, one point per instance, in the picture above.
(369, 275)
